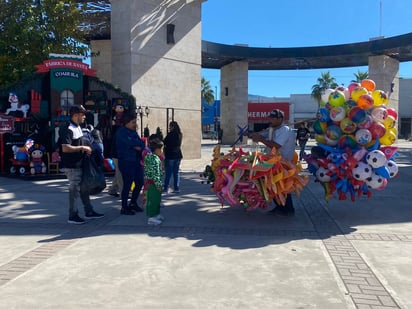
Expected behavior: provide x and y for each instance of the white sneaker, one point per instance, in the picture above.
(160, 217)
(153, 221)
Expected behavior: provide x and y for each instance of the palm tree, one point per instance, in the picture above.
(325, 81)
(207, 92)
(360, 76)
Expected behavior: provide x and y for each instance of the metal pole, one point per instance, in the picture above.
(141, 124)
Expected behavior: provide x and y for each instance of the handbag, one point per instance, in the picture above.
(93, 180)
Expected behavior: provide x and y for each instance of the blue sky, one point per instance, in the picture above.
(301, 23)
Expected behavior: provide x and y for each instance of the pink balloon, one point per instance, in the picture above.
(392, 112)
(353, 86)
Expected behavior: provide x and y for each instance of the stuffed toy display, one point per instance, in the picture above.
(119, 107)
(37, 165)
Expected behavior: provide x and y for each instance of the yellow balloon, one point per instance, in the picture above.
(388, 139)
(389, 122)
(379, 98)
(358, 92)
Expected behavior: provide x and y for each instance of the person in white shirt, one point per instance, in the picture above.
(282, 138)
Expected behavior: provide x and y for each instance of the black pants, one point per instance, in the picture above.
(288, 203)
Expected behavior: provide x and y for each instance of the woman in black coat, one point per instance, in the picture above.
(173, 156)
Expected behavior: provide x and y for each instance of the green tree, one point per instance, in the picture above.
(360, 76)
(207, 92)
(32, 29)
(324, 82)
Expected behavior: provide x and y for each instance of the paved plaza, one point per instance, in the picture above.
(335, 254)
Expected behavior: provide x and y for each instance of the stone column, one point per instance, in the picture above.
(233, 99)
(156, 56)
(101, 59)
(384, 71)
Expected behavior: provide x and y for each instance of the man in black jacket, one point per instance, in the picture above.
(73, 152)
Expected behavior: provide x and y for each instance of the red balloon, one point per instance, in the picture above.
(377, 129)
(392, 112)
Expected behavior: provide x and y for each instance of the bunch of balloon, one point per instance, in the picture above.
(354, 131)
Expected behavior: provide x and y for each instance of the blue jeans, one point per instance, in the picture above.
(131, 172)
(74, 175)
(172, 168)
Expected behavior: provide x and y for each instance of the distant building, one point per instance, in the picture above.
(301, 107)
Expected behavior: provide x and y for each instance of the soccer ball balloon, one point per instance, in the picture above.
(362, 171)
(376, 158)
(392, 168)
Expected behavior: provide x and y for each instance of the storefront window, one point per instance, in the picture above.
(66, 101)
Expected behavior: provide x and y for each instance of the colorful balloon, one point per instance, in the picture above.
(389, 138)
(345, 92)
(365, 102)
(323, 114)
(358, 92)
(325, 95)
(319, 127)
(389, 122)
(379, 97)
(337, 98)
(363, 136)
(347, 140)
(379, 114)
(357, 115)
(353, 86)
(368, 84)
(337, 113)
(377, 129)
(347, 126)
(366, 123)
(391, 111)
(333, 132)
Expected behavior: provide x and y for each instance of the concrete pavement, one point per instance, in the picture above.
(335, 254)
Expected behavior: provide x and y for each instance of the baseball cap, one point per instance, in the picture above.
(276, 113)
(77, 109)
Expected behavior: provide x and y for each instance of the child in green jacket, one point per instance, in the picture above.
(153, 176)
